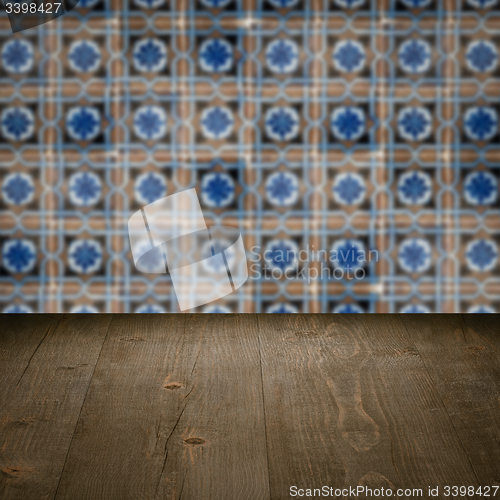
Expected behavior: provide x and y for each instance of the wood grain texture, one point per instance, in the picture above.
(462, 355)
(245, 406)
(350, 402)
(39, 413)
(174, 411)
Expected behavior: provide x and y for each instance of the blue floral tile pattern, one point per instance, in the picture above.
(18, 309)
(85, 189)
(217, 122)
(349, 56)
(83, 123)
(415, 188)
(17, 123)
(18, 189)
(354, 144)
(216, 56)
(348, 123)
(281, 255)
(481, 123)
(150, 187)
(84, 56)
(282, 189)
(348, 309)
(282, 308)
(482, 4)
(217, 189)
(415, 56)
(482, 56)
(349, 189)
(150, 55)
(282, 56)
(415, 255)
(482, 255)
(414, 124)
(349, 4)
(84, 256)
(348, 254)
(282, 123)
(18, 256)
(481, 188)
(17, 56)
(415, 309)
(150, 123)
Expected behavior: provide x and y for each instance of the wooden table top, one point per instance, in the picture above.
(246, 406)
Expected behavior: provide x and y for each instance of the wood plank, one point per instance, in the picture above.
(349, 402)
(20, 337)
(462, 355)
(174, 410)
(39, 414)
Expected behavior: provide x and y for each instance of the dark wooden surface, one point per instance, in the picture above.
(246, 406)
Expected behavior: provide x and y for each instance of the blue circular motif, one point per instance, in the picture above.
(281, 255)
(348, 254)
(416, 4)
(84, 256)
(149, 4)
(150, 123)
(217, 310)
(282, 308)
(83, 123)
(18, 189)
(18, 309)
(349, 56)
(482, 4)
(481, 56)
(481, 255)
(481, 309)
(84, 309)
(150, 309)
(415, 56)
(87, 4)
(282, 56)
(415, 309)
(150, 187)
(18, 256)
(282, 123)
(481, 123)
(217, 189)
(216, 56)
(349, 4)
(149, 55)
(282, 189)
(481, 188)
(348, 123)
(214, 247)
(414, 124)
(84, 189)
(217, 122)
(350, 308)
(17, 123)
(84, 56)
(18, 56)
(415, 255)
(414, 188)
(215, 4)
(283, 4)
(349, 189)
